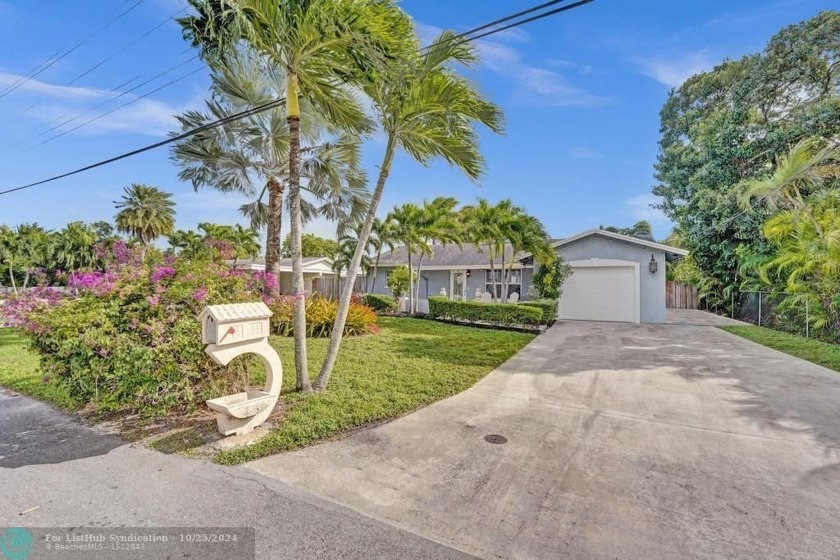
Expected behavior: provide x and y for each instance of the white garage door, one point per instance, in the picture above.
(601, 291)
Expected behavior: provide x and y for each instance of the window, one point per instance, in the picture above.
(514, 282)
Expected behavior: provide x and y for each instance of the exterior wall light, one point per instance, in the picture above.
(652, 265)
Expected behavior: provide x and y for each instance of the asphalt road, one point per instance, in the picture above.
(55, 472)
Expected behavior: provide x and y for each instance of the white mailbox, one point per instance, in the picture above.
(234, 322)
(230, 331)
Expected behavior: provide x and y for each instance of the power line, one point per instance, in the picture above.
(114, 98)
(136, 99)
(102, 28)
(265, 107)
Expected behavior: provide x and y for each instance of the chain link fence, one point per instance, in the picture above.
(766, 309)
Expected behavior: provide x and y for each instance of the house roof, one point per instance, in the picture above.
(236, 311)
(445, 257)
(670, 252)
(311, 265)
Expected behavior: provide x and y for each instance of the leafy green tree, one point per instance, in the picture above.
(188, 244)
(406, 222)
(312, 246)
(400, 280)
(640, 229)
(325, 48)
(482, 223)
(732, 124)
(145, 213)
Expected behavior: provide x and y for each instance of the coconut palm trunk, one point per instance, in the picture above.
(491, 250)
(298, 287)
(272, 240)
(375, 270)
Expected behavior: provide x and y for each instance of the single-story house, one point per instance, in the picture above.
(614, 277)
(318, 274)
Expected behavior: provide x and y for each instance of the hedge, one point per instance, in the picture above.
(548, 307)
(474, 311)
(380, 303)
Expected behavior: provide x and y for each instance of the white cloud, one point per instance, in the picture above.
(640, 207)
(673, 71)
(582, 152)
(57, 104)
(533, 84)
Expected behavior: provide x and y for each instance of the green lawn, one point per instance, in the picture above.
(19, 371)
(822, 353)
(410, 363)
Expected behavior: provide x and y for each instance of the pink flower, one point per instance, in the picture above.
(153, 300)
(200, 294)
(162, 272)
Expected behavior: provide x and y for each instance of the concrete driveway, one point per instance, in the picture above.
(624, 441)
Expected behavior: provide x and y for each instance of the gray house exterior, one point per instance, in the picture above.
(613, 279)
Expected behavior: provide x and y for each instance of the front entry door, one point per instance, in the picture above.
(458, 284)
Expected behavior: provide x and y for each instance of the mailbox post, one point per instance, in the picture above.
(232, 330)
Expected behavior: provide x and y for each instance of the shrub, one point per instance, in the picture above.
(127, 338)
(547, 306)
(320, 316)
(496, 313)
(398, 280)
(549, 278)
(380, 303)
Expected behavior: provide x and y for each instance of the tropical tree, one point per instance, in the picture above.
(380, 238)
(324, 48)
(406, 223)
(74, 247)
(188, 244)
(439, 224)
(145, 213)
(482, 228)
(426, 109)
(528, 235)
(639, 229)
(251, 155)
(809, 166)
(311, 246)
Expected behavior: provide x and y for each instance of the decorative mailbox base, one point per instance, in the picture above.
(234, 330)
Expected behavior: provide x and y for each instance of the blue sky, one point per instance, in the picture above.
(581, 92)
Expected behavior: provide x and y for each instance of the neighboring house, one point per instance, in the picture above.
(615, 277)
(318, 274)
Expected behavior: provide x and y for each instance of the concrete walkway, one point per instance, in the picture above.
(624, 441)
(55, 472)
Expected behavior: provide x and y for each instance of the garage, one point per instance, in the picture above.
(601, 290)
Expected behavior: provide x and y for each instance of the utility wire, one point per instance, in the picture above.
(102, 28)
(256, 110)
(126, 104)
(114, 98)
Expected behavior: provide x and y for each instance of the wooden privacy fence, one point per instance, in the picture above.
(331, 287)
(680, 296)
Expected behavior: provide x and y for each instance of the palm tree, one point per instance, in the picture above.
(439, 223)
(528, 235)
(251, 155)
(380, 238)
(73, 247)
(325, 48)
(807, 168)
(481, 226)
(187, 243)
(429, 111)
(406, 223)
(145, 213)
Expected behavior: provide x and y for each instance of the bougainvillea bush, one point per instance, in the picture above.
(127, 338)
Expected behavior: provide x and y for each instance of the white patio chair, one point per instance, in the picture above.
(513, 298)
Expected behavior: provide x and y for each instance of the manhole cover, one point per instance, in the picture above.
(495, 439)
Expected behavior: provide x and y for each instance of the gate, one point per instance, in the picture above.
(680, 296)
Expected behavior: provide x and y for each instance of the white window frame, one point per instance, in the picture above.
(488, 282)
